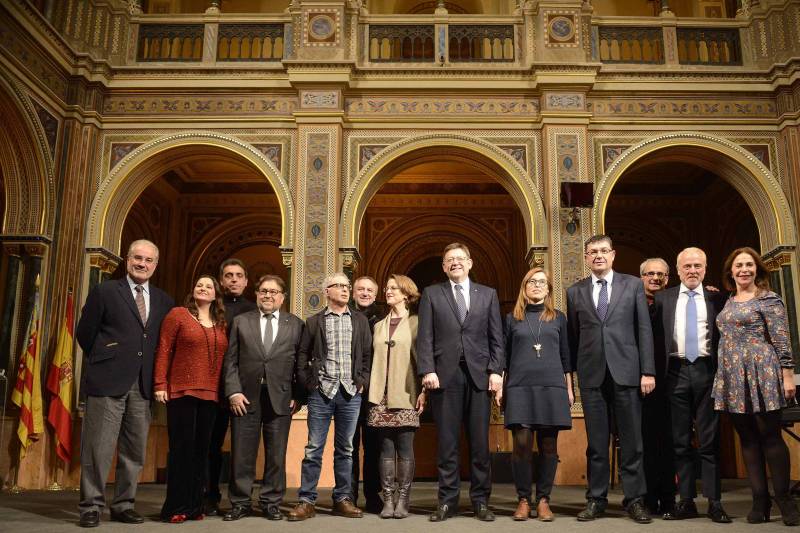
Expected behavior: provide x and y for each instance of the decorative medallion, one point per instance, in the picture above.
(322, 27)
(559, 29)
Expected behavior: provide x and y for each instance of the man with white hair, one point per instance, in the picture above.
(333, 365)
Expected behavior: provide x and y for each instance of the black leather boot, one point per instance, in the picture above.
(387, 471)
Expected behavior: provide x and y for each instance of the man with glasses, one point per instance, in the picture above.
(333, 365)
(611, 343)
(460, 356)
(659, 470)
(258, 372)
(365, 291)
(233, 279)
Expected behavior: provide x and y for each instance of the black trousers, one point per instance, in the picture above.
(692, 408)
(215, 451)
(369, 437)
(189, 423)
(658, 456)
(462, 403)
(598, 402)
(246, 431)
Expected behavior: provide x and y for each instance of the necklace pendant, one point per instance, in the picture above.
(538, 348)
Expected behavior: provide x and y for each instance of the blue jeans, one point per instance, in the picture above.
(344, 410)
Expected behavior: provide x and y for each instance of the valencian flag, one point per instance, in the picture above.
(59, 383)
(27, 393)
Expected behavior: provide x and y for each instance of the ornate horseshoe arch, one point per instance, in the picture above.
(758, 186)
(382, 167)
(120, 188)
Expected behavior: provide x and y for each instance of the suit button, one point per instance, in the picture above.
(145, 335)
(140, 354)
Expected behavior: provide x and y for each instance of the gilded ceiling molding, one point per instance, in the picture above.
(27, 165)
(732, 162)
(381, 168)
(120, 188)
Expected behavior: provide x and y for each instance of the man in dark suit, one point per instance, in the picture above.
(333, 365)
(686, 318)
(233, 279)
(611, 342)
(259, 371)
(365, 291)
(659, 468)
(118, 331)
(460, 356)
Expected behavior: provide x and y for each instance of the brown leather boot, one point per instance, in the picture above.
(387, 472)
(301, 511)
(347, 509)
(543, 511)
(523, 511)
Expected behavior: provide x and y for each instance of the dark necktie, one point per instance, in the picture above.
(691, 349)
(140, 303)
(602, 299)
(461, 303)
(268, 333)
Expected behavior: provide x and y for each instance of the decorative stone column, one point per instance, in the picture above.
(781, 278)
(102, 263)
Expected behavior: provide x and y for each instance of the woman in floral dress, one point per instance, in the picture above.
(755, 379)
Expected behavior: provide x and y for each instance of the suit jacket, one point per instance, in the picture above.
(314, 349)
(442, 340)
(623, 342)
(664, 319)
(118, 347)
(246, 361)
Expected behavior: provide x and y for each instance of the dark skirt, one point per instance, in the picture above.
(537, 405)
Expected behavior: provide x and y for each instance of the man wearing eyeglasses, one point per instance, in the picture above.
(611, 342)
(659, 468)
(258, 371)
(233, 279)
(460, 357)
(333, 364)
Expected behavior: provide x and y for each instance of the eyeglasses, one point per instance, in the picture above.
(537, 282)
(451, 260)
(659, 275)
(391, 288)
(595, 253)
(342, 286)
(269, 292)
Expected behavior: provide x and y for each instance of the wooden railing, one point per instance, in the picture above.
(478, 42)
(250, 42)
(170, 42)
(401, 43)
(631, 44)
(709, 46)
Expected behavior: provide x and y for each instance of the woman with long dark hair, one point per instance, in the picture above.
(186, 378)
(755, 379)
(538, 389)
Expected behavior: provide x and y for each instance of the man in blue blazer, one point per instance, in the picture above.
(611, 343)
(460, 356)
(118, 331)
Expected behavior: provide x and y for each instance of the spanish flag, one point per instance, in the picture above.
(59, 383)
(27, 393)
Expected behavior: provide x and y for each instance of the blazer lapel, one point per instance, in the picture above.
(283, 331)
(255, 325)
(475, 296)
(448, 295)
(618, 286)
(670, 303)
(586, 291)
(125, 292)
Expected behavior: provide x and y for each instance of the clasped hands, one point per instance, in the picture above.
(431, 381)
(239, 403)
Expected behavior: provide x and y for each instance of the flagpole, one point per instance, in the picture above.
(54, 470)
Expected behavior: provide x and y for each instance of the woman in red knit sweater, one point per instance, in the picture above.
(186, 378)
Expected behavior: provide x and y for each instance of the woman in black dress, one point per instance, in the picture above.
(538, 389)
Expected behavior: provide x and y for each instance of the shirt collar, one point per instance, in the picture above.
(464, 284)
(132, 284)
(609, 278)
(276, 313)
(699, 289)
(328, 311)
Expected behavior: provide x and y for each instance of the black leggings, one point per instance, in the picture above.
(397, 441)
(760, 435)
(522, 456)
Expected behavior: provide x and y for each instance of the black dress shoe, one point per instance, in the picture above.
(236, 513)
(128, 516)
(717, 514)
(442, 513)
(483, 513)
(212, 508)
(592, 511)
(638, 513)
(685, 509)
(90, 519)
(271, 512)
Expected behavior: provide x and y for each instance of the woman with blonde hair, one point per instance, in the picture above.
(538, 389)
(394, 390)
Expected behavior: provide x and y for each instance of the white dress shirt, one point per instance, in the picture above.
(263, 322)
(465, 286)
(596, 287)
(145, 292)
(679, 334)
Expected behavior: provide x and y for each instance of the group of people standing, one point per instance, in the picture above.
(372, 372)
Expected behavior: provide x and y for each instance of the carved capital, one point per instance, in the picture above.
(26, 245)
(778, 257)
(536, 256)
(103, 260)
(350, 258)
(287, 256)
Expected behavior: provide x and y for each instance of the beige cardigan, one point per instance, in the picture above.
(403, 386)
